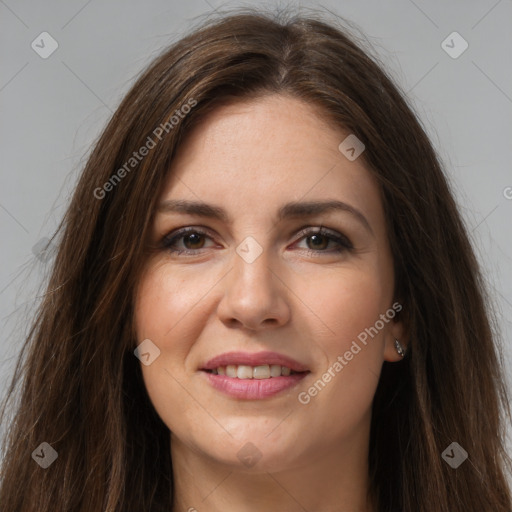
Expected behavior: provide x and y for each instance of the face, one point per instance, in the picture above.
(272, 318)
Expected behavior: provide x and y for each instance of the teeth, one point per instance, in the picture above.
(261, 372)
(275, 370)
(230, 370)
(243, 371)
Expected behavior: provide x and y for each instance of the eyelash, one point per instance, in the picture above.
(343, 242)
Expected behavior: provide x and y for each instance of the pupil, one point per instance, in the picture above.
(193, 239)
(317, 237)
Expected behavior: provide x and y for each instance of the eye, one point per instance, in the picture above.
(192, 239)
(320, 238)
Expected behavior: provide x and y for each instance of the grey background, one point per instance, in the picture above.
(53, 109)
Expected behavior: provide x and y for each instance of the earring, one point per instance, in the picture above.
(399, 348)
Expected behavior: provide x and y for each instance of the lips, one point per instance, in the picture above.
(247, 376)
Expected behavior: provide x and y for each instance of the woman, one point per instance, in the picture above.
(198, 347)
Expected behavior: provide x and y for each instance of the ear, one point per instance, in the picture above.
(396, 329)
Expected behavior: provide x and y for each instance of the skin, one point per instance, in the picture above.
(250, 158)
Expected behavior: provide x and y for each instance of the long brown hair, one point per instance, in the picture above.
(80, 386)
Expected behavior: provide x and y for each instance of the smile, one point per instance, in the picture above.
(263, 371)
(256, 376)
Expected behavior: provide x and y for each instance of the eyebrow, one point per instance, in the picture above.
(287, 211)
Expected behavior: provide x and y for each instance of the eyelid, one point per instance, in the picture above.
(180, 232)
(321, 230)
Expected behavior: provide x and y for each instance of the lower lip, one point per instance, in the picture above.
(253, 389)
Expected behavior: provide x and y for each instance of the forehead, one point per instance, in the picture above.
(254, 156)
(278, 125)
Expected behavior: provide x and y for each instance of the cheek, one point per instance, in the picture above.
(166, 301)
(171, 310)
(157, 317)
(348, 304)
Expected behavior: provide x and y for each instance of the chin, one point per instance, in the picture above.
(257, 449)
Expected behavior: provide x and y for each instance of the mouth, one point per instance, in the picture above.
(253, 376)
(263, 371)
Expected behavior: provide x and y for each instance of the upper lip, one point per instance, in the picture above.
(253, 359)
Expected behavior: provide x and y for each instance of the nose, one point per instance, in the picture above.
(255, 295)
